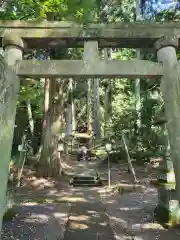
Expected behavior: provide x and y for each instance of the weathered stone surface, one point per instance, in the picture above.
(103, 68)
(10, 51)
(163, 215)
(39, 34)
(12, 40)
(168, 215)
(165, 41)
(170, 89)
(166, 193)
(168, 207)
(9, 87)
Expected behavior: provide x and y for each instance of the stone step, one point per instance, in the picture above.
(88, 185)
(85, 178)
(86, 181)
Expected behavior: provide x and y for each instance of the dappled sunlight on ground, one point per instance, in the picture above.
(88, 221)
(74, 199)
(122, 212)
(131, 214)
(42, 221)
(74, 225)
(79, 218)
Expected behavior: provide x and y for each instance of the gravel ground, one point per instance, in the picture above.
(37, 222)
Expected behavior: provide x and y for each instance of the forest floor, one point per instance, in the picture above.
(47, 209)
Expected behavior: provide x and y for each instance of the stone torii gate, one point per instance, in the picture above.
(18, 35)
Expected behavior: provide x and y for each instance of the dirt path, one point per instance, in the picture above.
(88, 220)
(131, 216)
(83, 216)
(37, 222)
(87, 213)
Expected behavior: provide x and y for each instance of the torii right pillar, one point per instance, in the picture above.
(170, 87)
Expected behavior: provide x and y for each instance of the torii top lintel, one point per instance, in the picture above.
(43, 34)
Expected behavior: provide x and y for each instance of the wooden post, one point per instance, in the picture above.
(130, 166)
(170, 86)
(22, 159)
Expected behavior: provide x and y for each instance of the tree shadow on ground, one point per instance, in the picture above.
(132, 215)
(88, 221)
(42, 221)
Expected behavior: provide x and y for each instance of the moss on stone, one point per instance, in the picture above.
(167, 185)
(161, 214)
(166, 217)
(9, 214)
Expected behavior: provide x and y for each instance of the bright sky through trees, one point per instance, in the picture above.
(152, 7)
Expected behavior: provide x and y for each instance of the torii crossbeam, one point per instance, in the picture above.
(41, 34)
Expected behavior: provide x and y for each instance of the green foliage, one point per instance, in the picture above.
(123, 90)
(33, 91)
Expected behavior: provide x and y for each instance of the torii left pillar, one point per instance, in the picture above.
(9, 88)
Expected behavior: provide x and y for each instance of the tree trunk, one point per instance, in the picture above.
(68, 120)
(138, 99)
(45, 117)
(108, 100)
(97, 127)
(107, 107)
(49, 165)
(89, 106)
(69, 109)
(31, 122)
(46, 101)
(73, 116)
(138, 81)
(57, 124)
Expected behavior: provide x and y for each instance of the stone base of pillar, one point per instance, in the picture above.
(167, 212)
(168, 216)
